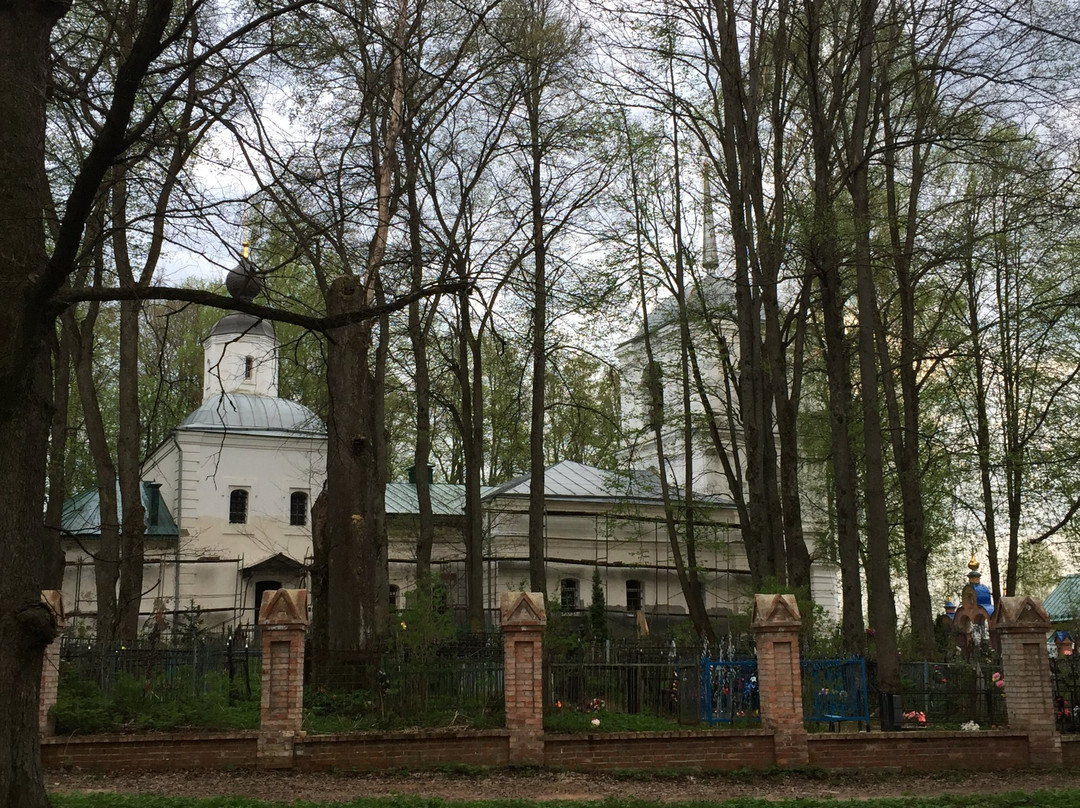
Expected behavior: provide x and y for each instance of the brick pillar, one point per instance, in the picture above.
(523, 621)
(283, 622)
(776, 623)
(50, 666)
(1022, 625)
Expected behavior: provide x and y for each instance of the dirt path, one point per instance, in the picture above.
(288, 786)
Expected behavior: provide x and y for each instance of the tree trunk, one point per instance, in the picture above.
(877, 517)
(421, 377)
(904, 427)
(826, 260)
(537, 565)
(319, 632)
(26, 624)
(356, 575)
(474, 513)
(64, 348)
(133, 517)
(106, 551)
(26, 549)
(982, 422)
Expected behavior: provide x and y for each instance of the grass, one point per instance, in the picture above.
(138, 704)
(1059, 798)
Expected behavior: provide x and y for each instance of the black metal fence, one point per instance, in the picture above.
(948, 695)
(206, 682)
(1065, 681)
(451, 683)
(197, 666)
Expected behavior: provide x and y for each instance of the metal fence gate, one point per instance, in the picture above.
(729, 691)
(834, 690)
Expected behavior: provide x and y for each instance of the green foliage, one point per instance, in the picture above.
(562, 634)
(425, 622)
(598, 628)
(157, 703)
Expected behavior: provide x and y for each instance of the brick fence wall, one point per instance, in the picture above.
(1021, 624)
(696, 750)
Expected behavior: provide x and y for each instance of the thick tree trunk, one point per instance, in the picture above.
(27, 550)
(26, 625)
(319, 633)
(357, 575)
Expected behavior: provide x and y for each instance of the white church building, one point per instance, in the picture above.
(228, 498)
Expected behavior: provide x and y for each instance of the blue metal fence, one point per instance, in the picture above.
(729, 691)
(835, 690)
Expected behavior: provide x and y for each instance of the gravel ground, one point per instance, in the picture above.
(289, 786)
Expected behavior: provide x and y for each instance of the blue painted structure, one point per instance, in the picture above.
(729, 691)
(835, 690)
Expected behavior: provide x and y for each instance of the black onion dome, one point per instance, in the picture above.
(243, 282)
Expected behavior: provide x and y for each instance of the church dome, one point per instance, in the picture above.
(242, 324)
(243, 412)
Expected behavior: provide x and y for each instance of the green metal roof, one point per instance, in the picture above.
(252, 414)
(82, 514)
(1063, 604)
(446, 499)
(570, 480)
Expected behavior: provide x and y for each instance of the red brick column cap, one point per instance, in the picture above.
(776, 613)
(284, 607)
(1020, 614)
(522, 610)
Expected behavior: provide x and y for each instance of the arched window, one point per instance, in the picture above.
(635, 600)
(249, 367)
(568, 594)
(298, 508)
(238, 506)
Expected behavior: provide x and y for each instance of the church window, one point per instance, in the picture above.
(238, 506)
(249, 367)
(634, 596)
(298, 508)
(568, 594)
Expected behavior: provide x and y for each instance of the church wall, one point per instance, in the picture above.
(630, 545)
(225, 365)
(270, 469)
